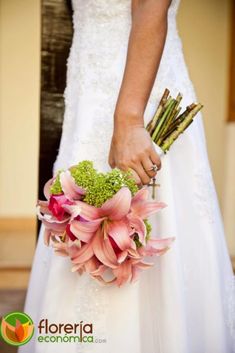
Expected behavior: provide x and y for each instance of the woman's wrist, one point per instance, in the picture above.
(128, 119)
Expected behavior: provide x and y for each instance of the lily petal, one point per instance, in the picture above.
(156, 247)
(118, 230)
(74, 248)
(92, 264)
(54, 227)
(56, 204)
(99, 271)
(103, 250)
(50, 218)
(85, 230)
(71, 190)
(134, 254)
(77, 267)
(60, 248)
(118, 206)
(141, 195)
(43, 207)
(122, 256)
(139, 227)
(52, 223)
(135, 273)
(87, 211)
(146, 208)
(69, 233)
(123, 273)
(143, 265)
(83, 254)
(46, 188)
(160, 243)
(103, 281)
(73, 210)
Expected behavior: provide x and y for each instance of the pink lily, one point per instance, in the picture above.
(99, 247)
(53, 223)
(111, 226)
(111, 214)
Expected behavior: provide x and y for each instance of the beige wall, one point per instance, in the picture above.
(204, 29)
(19, 105)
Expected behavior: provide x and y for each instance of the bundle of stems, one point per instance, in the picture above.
(167, 124)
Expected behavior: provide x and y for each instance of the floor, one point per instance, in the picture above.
(10, 300)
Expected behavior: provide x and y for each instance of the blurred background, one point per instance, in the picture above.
(34, 43)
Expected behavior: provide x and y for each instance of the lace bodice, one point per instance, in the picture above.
(95, 69)
(101, 33)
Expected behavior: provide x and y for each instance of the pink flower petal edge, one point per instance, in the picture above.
(71, 190)
(118, 206)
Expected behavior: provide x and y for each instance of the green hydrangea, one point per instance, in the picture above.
(148, 228)
(99, 186)
(56, 188)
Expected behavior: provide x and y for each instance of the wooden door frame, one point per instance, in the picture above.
(56, 38)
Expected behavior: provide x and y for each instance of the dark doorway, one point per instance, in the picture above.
(56, 41)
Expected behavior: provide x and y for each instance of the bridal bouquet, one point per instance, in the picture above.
(100, 220)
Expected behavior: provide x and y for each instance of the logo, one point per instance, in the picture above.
(16, 328)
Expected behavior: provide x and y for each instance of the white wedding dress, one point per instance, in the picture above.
(185, 303)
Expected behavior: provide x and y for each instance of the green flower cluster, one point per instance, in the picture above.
(148, 228)
(56, 188)
(99, 186)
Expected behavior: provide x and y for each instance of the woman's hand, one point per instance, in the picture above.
(132, 147)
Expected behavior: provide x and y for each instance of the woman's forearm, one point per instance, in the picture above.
(146, 43)
(132, 148)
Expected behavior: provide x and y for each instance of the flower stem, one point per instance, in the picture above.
(158, 129)
(154, 121)
(180, 128)
(166, 124)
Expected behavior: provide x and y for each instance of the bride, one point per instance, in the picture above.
(124, 54)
